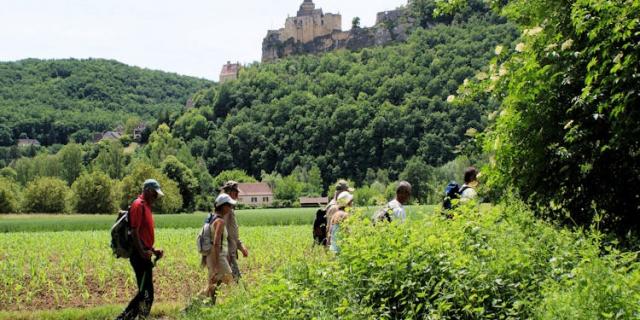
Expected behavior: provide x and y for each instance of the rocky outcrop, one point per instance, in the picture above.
(391, 26)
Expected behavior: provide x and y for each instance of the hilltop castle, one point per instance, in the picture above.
(312, 31)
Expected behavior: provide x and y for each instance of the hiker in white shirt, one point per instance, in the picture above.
(395, 208)
(468, 189)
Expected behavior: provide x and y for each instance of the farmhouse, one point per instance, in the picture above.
(28, 142)
(255, 194)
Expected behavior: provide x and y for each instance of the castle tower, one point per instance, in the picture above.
(306, 8)
(230, 71)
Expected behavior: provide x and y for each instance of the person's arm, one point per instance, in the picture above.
(236, 235)
(218, 226)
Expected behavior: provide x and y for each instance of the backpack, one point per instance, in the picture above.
(121, 240)
(383, 214)
(320, 227)
(204, 241)
(451, 192)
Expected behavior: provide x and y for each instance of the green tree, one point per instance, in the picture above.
(70, 157)
(111, 159)
(418, 174)
(567, 141)
(162, 144)
(288, 190)
(9, 173)
(94, 193)
(46, 195)
(131, 188)
(9, 196)
(235, 175)
(184, 177)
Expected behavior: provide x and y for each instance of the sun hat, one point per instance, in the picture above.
(224, 198)
(230, 186)
(344, 198)
(152, 184)
(343, 185)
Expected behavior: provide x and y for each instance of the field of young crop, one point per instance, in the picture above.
(51, 270)
(54, 262)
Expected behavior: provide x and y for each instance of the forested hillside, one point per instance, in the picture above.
(351, 112)
(50, 100)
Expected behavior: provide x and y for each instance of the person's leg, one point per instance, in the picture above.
(133, 309)
(146, 292)
(235, 270)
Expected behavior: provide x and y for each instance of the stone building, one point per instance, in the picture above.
(255, 194)
(230, 71)
(312, 31)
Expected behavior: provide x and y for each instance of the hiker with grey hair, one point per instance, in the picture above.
(395, 208)
(233, 232)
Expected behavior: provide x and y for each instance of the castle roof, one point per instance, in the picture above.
(306, 8)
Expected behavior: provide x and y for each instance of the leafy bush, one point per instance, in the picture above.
(500, 263)
(9, 196)
(568, 139)
(9, 173)
(93, 193)
(132, 188)
(46, 195)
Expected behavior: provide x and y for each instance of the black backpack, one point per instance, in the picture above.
(320, 227)
(121, 239)
(451, 192)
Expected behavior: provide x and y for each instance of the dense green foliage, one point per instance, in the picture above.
(94, 193)
(495, 264)
(346, 112)
(567, 134)
(9, 195)
(51, 100)
(132, 188)
(46, 195)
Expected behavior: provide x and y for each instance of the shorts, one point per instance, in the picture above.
(223, 269)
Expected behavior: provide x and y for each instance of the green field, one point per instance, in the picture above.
(257, 217)
(60, 266)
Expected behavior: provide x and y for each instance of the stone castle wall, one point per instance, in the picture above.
(314, 32)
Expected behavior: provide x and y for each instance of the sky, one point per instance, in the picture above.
(189, 37)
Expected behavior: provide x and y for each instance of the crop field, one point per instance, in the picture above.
(52, 270)
(51, 262)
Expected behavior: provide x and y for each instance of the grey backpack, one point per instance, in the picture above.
(204, 241)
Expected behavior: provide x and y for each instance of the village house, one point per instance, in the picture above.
(255, 194)
(311, 202)
(28, 142)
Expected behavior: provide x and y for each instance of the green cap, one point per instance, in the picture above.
(153, 185)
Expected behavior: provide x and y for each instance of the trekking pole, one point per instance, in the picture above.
(155, 261)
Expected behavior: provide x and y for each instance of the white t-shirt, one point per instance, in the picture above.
(398, 210)
(469, 193)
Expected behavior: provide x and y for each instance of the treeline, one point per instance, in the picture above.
(350, 112)
(58, 100)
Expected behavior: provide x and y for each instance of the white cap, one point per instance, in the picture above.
(224, 198)
(344, 198)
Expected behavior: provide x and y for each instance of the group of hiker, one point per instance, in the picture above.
(327, 225)
(220, 259)
(219, 240)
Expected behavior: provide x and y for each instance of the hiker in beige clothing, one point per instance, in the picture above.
(233, 236)
(333, 207)
(217, 261)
